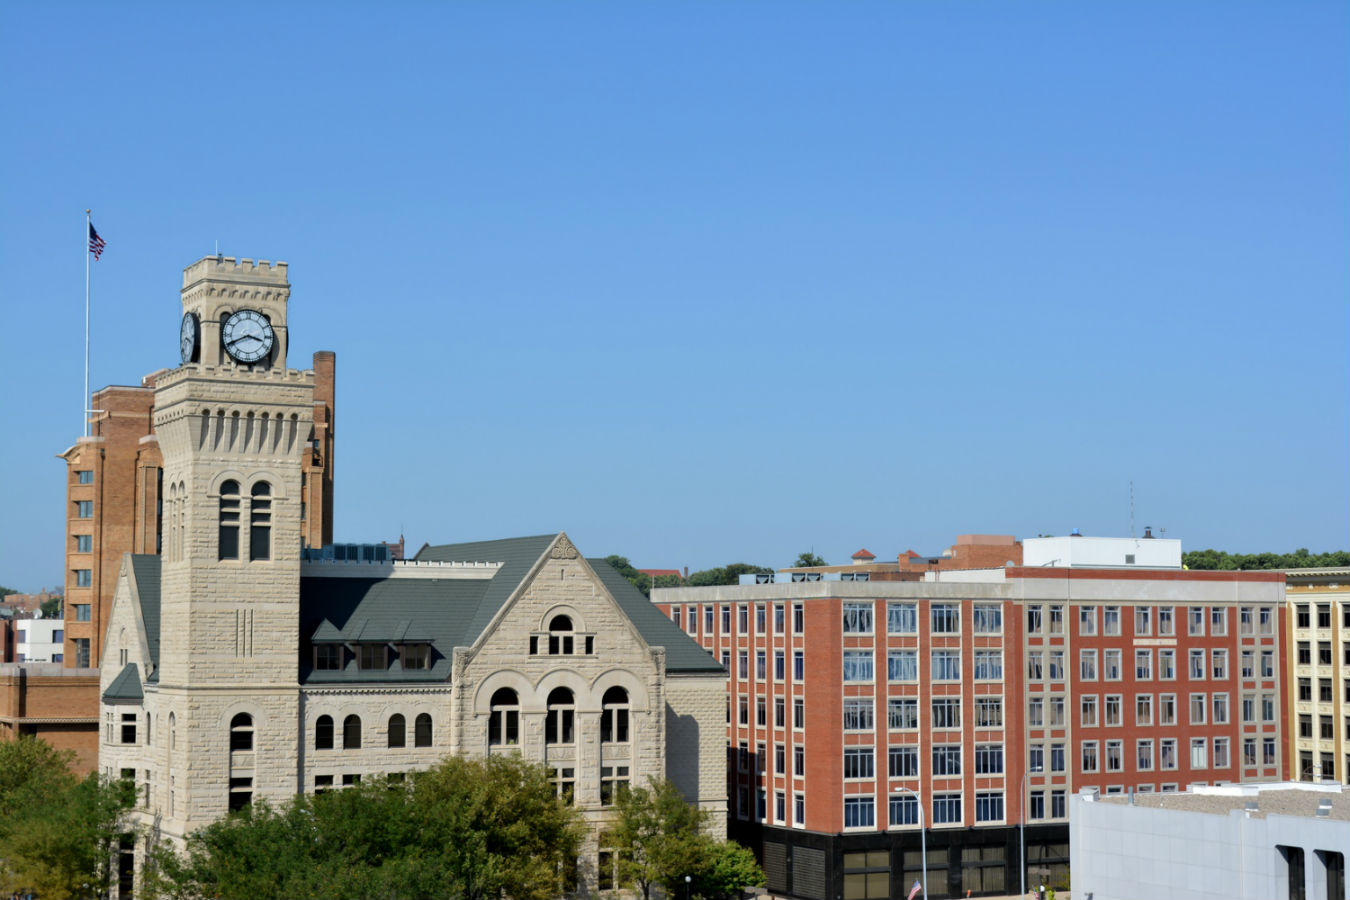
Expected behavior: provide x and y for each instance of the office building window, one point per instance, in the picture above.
(902, 665)
(946, 712)
(989, 759)
(946, 809)
(84, 577)
(798, 665)
(1087, 665)
(1088, 707)
(857, 618)
(1143, 621)
(84, 543)
(989, 806)
(904, 762)
(987, 618)
(1111, 620)
(858, 762)
(84, 509)
(904, 810)
(1144, 755)
(988, 665)
(946, 665)
(1087, 620)
(988, 712)
(946, 760)
(798, 618)
(1195, 621)
(946, 618)
(857, 665)
(84, 476)
(1218, 621)
(860, 812)
(902, 713)
(1111, 665)
(1143, 709)
(1166, 623)
(858, 714)
(902, 618)
(1089, 758)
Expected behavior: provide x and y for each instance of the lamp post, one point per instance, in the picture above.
(923, 839)
(1022, 831)
(687, 880)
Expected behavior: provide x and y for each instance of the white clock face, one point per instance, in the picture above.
(187, 338)
(247, 336)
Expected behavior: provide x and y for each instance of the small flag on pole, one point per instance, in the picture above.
(914, 891)
(96, 243)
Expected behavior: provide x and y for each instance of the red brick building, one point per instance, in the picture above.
(857, 706)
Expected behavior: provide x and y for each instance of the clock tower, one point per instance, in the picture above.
(236, 428)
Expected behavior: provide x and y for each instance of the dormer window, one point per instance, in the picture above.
(415, 656)
(328, 657)
(373, 656)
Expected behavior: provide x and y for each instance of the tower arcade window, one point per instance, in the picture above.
(559, 726)
(397, 731)
(228, 544)
(504, 718)
(614, 716)
(260, 522)
(241, 732)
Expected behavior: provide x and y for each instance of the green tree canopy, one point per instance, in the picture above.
(1299, 559)
(51, 608)
(809, 559)
(469, 828)
(57, 831)
(660, 839)
(729, 574)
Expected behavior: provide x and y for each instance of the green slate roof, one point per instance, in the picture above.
(146, 569)
(446, 613)
(683, 653)
(126, 686)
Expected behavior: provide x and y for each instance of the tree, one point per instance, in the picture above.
(57, 832)
(51, 608)
(729, 574)
(468, 828)
(809, 559)
(661, 838)
(1299, 559)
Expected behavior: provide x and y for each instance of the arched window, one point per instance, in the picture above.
(560, 637)
(228, 547)
(397, 729)
(351, 733)
(558, 727)
(323, 733)
(614, 716)
(260, 522)
(422, 731)
(504, 719)
(173, 732)
(241, 732)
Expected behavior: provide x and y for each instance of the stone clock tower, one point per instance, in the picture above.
(235, 427)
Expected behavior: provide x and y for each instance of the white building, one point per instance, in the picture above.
(1229, 842)
(39, 640)
(1081, 551)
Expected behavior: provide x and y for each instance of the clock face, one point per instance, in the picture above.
(247, 336)
(188, 337)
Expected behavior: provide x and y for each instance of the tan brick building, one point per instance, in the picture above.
(241, 664)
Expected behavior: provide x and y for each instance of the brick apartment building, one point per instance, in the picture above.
(856, 707)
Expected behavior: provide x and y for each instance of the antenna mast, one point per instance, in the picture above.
(1131, 508)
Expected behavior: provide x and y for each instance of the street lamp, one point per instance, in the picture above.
(1022, 831)
(687, 879)
(923, 838)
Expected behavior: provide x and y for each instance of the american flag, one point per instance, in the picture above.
(915, 890)
(96, 243)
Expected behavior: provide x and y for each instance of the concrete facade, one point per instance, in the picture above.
(1239, 842)
(1318, 661)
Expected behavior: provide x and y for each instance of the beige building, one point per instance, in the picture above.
(241, 666)
(1318, 661)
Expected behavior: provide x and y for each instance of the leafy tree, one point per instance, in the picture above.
(5, 592)
(57, 832)
(468, 828)
(809, 559)
(1299, 559)
(660, 838)
(51, 608)
(729, 574)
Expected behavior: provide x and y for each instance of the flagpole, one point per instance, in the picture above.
(84, 400)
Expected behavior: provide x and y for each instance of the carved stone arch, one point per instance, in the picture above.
(243, 706)
(268, 476)
(573, 681)
(562, 609)
(504, 678)
(219, 478)
(630, 681)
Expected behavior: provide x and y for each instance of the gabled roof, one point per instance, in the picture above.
(126, 686)
(146, 569)
(864, 553)
(683, 654)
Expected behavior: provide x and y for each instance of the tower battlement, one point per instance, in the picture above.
(227, 268)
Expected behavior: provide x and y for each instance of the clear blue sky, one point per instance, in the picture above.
(709, 282)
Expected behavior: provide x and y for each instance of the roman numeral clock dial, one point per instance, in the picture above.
(247, 336)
